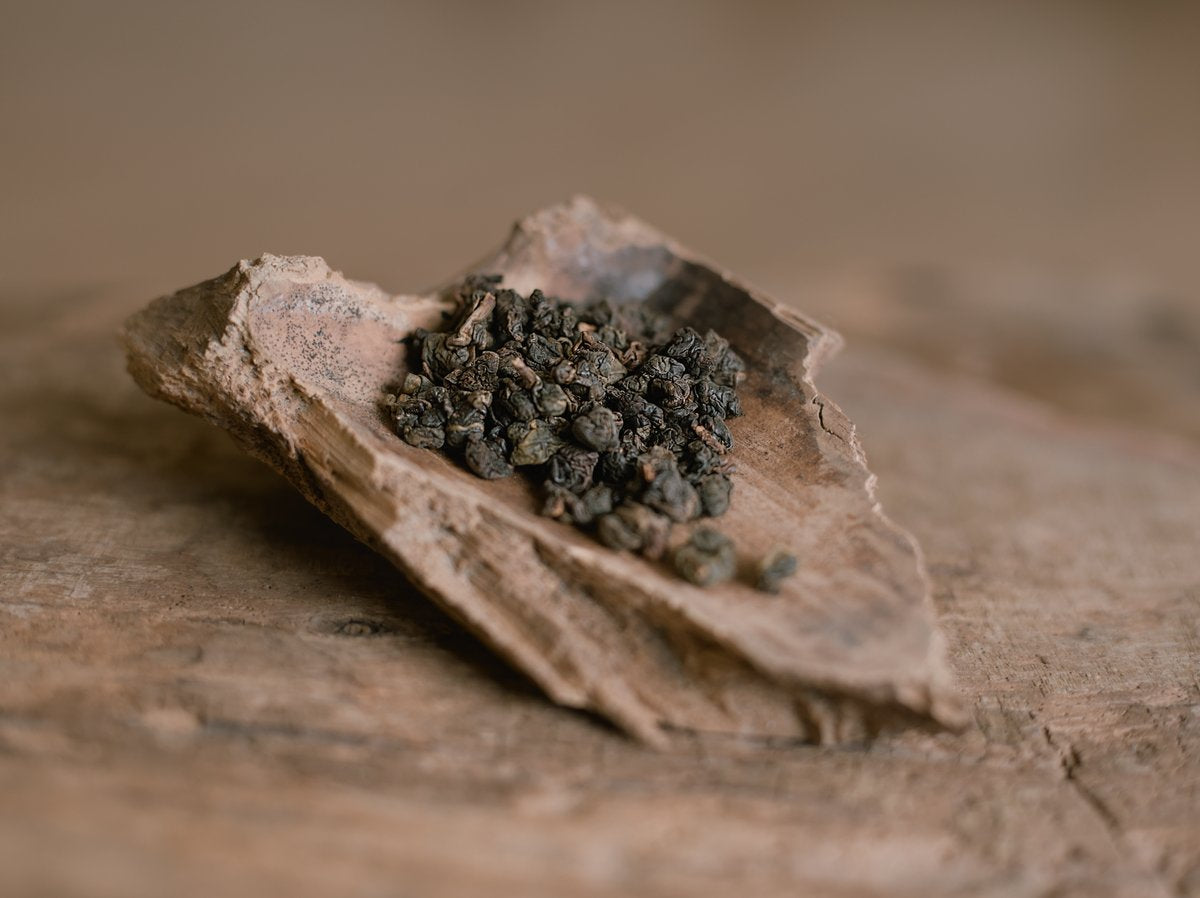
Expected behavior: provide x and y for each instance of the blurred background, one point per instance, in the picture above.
(1008, 189)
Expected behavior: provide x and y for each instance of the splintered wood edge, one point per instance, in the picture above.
(944, 704)
(939, 700)
(626, 229)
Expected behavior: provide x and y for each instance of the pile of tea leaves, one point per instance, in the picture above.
(621, 420)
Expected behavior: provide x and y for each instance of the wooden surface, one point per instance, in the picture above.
(208, 688)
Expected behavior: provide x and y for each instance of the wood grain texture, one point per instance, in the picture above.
(208, 688)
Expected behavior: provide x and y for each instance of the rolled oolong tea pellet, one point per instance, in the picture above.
(774, 568)
(598, 428)
(485, 460)
(622, 421)
(636, 528)
(708, 557)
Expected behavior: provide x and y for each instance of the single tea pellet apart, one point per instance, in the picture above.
(620, 419)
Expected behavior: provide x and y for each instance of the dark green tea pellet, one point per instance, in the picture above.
(774, 568)
(708, 557)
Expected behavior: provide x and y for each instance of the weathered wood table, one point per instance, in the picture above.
(206, 688)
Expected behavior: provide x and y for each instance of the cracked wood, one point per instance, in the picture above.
(292, 359)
